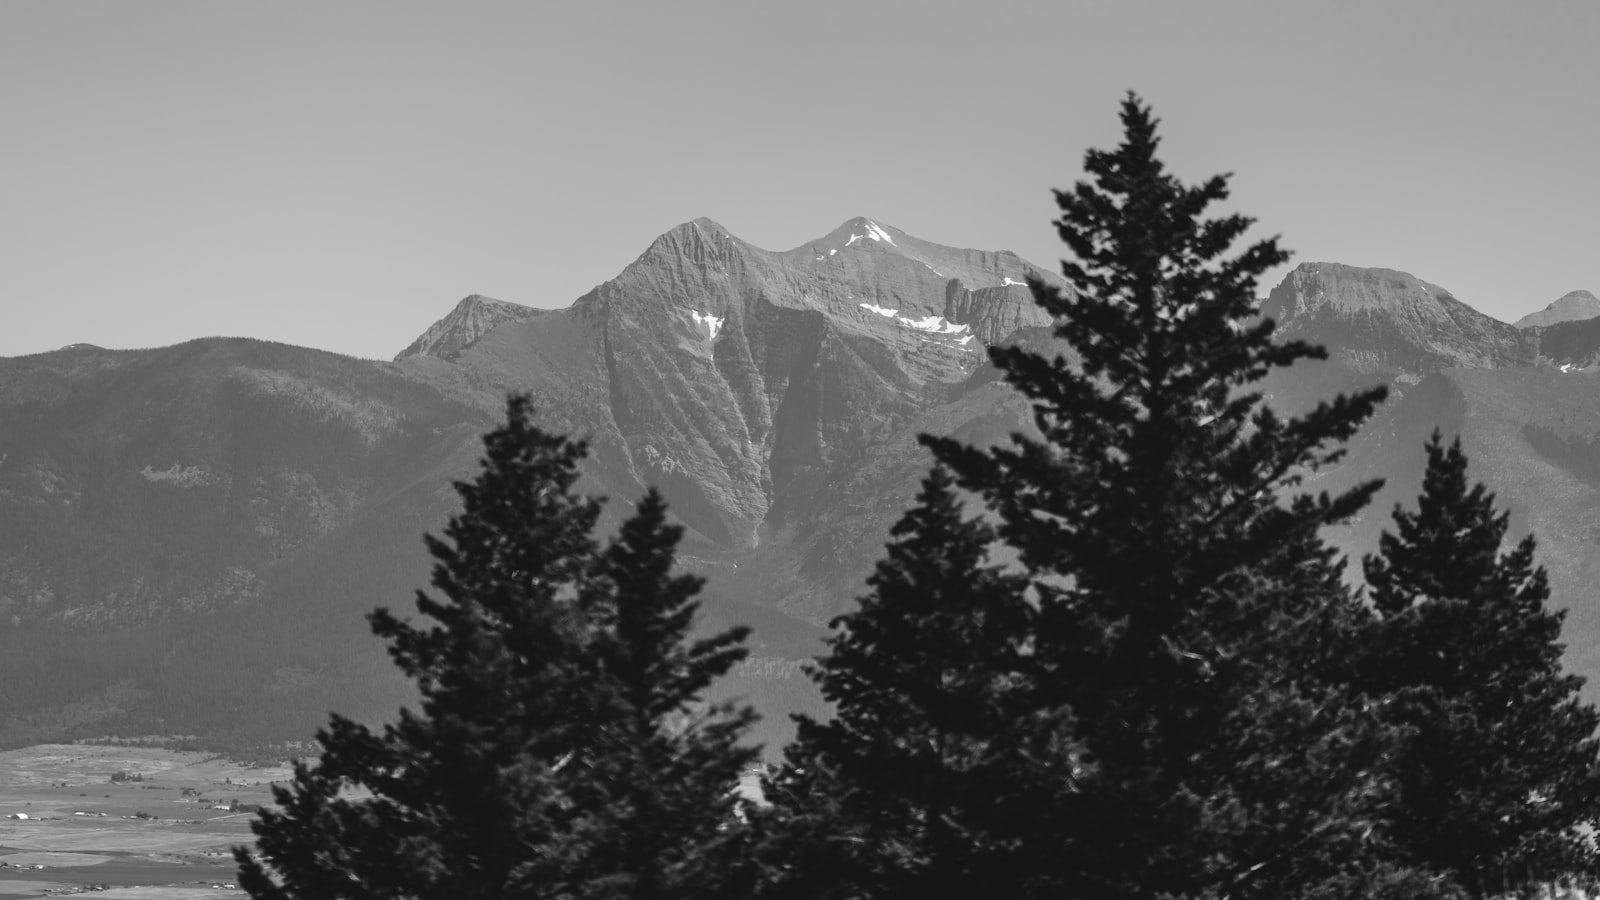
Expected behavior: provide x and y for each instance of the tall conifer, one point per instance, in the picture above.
(1500, 780)
(901, 792)
(1150, 513)
(540, 763)
(663, 767)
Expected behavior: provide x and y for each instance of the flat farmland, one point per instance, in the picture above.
(148, 822)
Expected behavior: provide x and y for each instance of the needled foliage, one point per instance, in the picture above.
(560, 748)
(662, 770)
(1500, 780)
(1175, 584)
(904, 792)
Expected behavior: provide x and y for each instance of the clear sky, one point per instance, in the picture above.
(339, 174)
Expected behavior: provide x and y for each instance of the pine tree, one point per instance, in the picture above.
(1500, 782)
(903, 792)
(670, 761)
(1149, 512)
(525, 771)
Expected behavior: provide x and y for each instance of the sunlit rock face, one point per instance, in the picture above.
(1380, 320)
(1574, 307)
(742, 380)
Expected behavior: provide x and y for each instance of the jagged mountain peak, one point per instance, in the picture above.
(472, 318)
(471, 301)
(734, 376)
(699, 238)
(861, 245)
(700, 228)
(862, 228)
(1572, 307)
(862, 238)
(705, 222)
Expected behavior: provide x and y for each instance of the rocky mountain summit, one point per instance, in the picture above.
(741, 379)
(189, 536)
(475, 316)
(1384, 321)
(1574, 307)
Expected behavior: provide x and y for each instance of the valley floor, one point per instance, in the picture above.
(66, 827)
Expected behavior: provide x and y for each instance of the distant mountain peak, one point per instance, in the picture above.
(1351, 288)
(704, 233)
(472, 318)
(706, 224)
(1385, 320)
(870, 230)
(858, 229)
(1572, 307)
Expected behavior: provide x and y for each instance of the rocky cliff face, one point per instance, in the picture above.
(743, 380)
(1574, 307)
(1379, 321)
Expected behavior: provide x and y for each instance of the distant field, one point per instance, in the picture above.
(84, 829)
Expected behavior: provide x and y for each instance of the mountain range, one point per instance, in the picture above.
(190, 536)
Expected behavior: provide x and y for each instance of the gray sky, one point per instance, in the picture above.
(338, 174)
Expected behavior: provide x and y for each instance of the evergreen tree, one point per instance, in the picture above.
(667, 762)
(898, 794)
(526, 771)
(1500, 782)
(1149, 511)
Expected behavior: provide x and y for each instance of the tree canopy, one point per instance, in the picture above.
(1150, 511)
(908, 786)
(560, 748)
(1500, 778)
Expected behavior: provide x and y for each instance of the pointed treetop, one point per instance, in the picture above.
(1449, 541)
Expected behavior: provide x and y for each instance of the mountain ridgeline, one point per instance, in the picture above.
(190, 536)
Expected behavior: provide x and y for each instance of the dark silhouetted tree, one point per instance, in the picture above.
(1500, 781)
(539, 763)
(663, 768)
(1151, 510)
(898, 794)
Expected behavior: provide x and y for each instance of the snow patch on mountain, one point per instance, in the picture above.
(1012, 281)
(874, 232)
(931, 323)
(712, 323)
